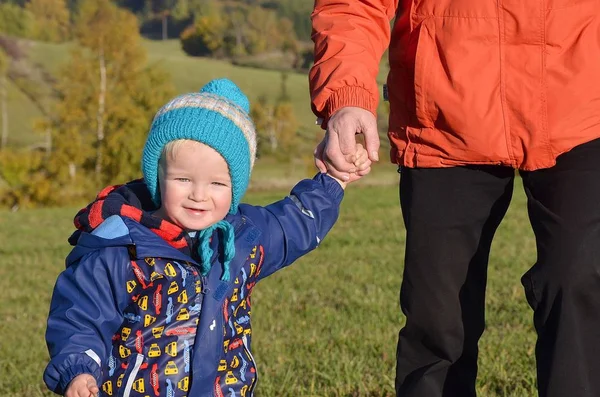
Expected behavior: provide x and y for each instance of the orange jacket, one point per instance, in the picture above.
(510, 82)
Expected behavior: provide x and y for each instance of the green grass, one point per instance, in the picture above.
(326, 326)
(22, 114)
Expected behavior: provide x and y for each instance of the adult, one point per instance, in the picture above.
(477, 89)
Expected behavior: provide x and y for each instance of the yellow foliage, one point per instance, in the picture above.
(235, 29)
(207, 35)
(22, 180)
(276, 127)
(107, 98)
(51, 20)
(14, 20)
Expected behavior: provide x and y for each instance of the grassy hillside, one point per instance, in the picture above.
(187, 73)
(190, 74)
(22, 114)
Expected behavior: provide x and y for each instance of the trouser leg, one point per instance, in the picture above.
(451, 215)
(563, 287)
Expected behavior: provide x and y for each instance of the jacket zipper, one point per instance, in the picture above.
(252, 387)
(131, 378)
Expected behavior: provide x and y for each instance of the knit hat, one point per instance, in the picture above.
(217, 116)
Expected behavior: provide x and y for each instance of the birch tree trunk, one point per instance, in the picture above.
(271, 130)
(164, 26)
(48, 134)
(100, 115)
(4, 110)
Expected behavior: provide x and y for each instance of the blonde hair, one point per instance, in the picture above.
(171, 148)
(170, 151)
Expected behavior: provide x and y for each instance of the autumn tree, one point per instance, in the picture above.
(262, 33)
(238, 27)
(298, 12)
(10, 55)
(207, 36)
(265, 31)
(14, 20)
(107, 97)
(51, 20)
(171, 10)
(23, 181)
(163, 9)
(190, 8)
(289, 42)
(4, 63)
(232, 29)
(276, 124)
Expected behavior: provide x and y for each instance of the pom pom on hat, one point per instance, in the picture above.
(227, 89)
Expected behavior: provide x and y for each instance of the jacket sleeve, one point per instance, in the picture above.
(85, 312)
(296, 225)
(350, 37)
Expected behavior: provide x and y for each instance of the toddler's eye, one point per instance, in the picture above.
(219, 183)
(182, 179)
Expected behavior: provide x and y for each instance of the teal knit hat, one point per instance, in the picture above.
(216, 116)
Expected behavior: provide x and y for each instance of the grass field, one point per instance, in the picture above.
(326, 326)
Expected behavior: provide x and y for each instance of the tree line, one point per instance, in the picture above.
(102, 100)
(232, 29)
(49, 19)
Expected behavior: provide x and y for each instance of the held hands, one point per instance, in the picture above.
(83, 385)
(338, 154)
(362, 166)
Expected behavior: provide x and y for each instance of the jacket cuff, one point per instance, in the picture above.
(349, 96)
(70, 374)
(331, 187)
(58, 378)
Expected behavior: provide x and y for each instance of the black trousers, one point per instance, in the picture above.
(451, 215)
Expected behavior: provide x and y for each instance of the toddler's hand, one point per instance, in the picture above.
(362, 161)
(83, 385)
(362, 165)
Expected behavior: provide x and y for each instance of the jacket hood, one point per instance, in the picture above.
(121, 215)
(122, 232)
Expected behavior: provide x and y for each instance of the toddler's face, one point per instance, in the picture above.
(195, 186)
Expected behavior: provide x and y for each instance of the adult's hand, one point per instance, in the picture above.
(336, 153)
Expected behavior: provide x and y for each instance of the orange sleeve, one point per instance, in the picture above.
(350, 38)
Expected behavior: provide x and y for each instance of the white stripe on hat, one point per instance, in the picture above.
(220, 105)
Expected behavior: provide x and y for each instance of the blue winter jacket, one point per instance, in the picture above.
(137, 314)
